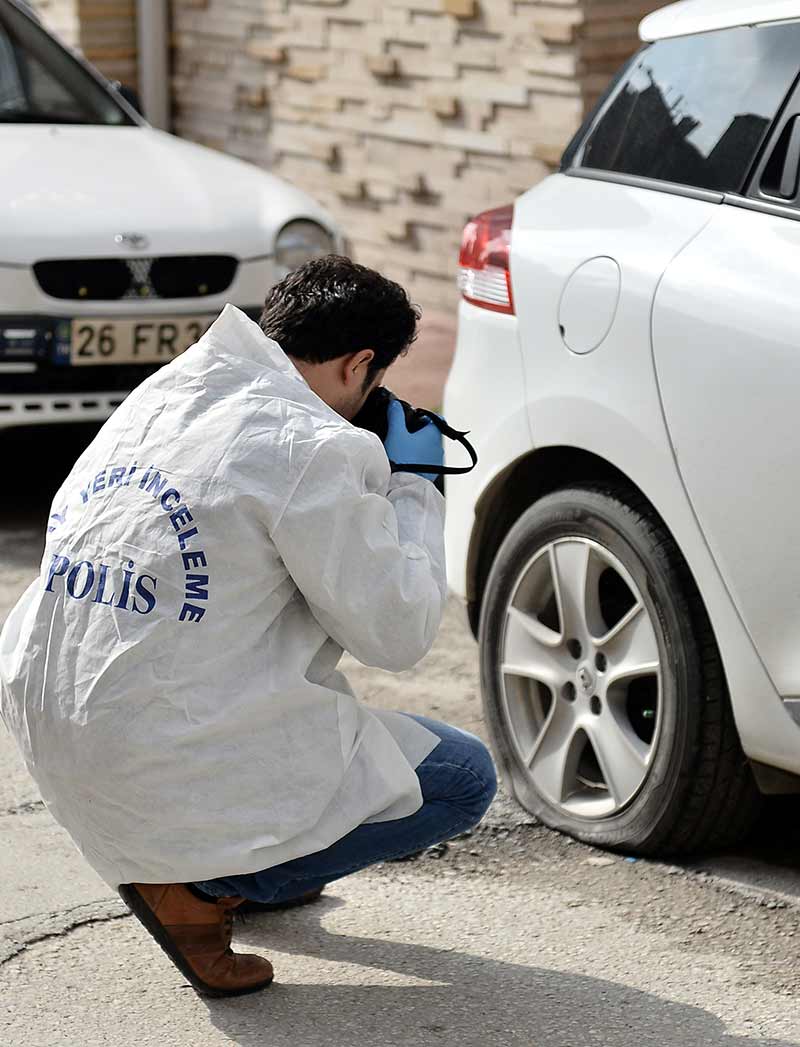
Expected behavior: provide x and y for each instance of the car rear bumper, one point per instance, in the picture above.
(485, 394)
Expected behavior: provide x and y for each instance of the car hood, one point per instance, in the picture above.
(66, 192)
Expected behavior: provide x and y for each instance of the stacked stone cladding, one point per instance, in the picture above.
(61, 16)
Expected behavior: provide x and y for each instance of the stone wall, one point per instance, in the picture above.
(104, 31)
(61, 17)
(108, 37)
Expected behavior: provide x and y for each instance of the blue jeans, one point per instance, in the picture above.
(458, 783)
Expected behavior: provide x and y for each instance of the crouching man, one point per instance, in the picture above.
(171, 676)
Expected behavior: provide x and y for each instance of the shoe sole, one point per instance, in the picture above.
(145, 915)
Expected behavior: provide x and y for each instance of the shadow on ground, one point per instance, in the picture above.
(471, 1001)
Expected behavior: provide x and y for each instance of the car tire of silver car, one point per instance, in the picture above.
(602, 684)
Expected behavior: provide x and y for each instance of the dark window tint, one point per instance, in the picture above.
(696, 109)
(40, 82)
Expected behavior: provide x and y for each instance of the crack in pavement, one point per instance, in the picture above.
(33, 807)
(30, 930)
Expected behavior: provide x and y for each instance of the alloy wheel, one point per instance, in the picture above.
(581, 678)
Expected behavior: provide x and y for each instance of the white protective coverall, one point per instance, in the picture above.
(170, 677)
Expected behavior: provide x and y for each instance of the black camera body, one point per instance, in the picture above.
(374, 416)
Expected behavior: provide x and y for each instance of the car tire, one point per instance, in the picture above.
(697, 790)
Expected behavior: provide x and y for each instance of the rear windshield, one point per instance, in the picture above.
(695, 110)
(40, 82)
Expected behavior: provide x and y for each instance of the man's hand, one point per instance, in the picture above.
(421, 445)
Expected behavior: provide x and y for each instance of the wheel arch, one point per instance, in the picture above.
(766, 729)
(516, 489)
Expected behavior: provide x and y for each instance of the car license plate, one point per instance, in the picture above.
(152, 341)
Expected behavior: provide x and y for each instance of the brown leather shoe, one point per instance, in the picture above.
(196, 935)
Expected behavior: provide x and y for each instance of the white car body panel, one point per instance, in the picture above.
(602, 400)
(728, 361)
(606, 402)
(67, 191)
(703, 16)
(485, 394)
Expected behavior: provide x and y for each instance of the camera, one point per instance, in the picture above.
(374, 416)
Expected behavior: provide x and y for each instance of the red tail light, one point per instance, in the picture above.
(484, 276)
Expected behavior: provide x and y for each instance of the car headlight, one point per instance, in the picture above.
(300, 241)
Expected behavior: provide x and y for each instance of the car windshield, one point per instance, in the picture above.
(41, 82)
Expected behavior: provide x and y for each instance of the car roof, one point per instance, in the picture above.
(701, 16)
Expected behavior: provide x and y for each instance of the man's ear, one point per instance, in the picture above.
(357, 365)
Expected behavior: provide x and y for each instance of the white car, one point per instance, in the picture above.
(628, 361)
(119, 244)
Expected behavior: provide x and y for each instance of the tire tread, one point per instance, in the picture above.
(720, 794)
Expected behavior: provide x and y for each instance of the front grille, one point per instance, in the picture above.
(113, 279)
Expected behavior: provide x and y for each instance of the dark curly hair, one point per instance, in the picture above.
(331, 307)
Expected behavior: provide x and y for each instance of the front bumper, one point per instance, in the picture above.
(41, 409)
(39, 386)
